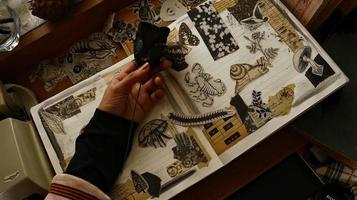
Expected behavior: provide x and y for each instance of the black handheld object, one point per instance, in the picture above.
(150, 43)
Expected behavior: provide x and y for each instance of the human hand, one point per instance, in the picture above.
(123, 91)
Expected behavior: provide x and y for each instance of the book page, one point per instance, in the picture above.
(250, 57)
(165, 158)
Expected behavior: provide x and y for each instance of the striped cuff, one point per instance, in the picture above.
(65, 186)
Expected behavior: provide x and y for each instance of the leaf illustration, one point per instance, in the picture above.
(271, 53)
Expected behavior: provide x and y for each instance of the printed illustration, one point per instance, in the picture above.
(140, 183)
(255, 21)
(50, 72)
(178, 43)
(52, 122)
(122, 32)
(195, 120)
(146, 12)
(84, 59)
(221, 5)
(243, 9)
(187, 150)
(146, 182)
(172, 10)
(65, 109)
(281, 25)
(281, 103)
(302, 59)
(318, 70)
(213, 30)
(153, 134)
(191, 3)
(202, 86)
(246, 73)
(86, 97)
(126, 191)
(176, 169)
(258, 113)
(327, 72)
(186, 36)
(269, 53)
(224, 133)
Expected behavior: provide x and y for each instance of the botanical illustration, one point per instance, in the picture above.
(269, 54)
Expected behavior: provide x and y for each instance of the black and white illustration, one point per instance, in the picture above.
(140, 184)
(269, 53)
(178, 46)
(187, 150)
(122, 32)
(154, 184)
(86, 97)
(186, 36)
(171, 10)
(317, 69)
(255, 21)
(243, 74)
(243, 9)
(327, 71)
(200, 119)
(248, 14)
(202, 86)
(191, 3)
(153, 134)
(146, 12)
(213, 30)
(50, 72)
(65, 109)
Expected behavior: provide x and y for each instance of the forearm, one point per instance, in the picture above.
(102, 149)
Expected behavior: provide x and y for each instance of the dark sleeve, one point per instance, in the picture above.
(102, 149)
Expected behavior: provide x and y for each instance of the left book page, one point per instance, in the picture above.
(165, 159)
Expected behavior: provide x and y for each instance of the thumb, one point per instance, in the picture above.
(139, 75)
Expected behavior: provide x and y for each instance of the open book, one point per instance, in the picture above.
(248, 68)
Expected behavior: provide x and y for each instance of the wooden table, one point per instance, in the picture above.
(247, 167)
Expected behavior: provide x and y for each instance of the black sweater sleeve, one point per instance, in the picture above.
(102, 149)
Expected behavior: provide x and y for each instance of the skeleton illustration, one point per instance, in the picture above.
(203, 87)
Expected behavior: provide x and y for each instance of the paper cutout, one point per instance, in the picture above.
(281, 25)
(327, 72)
(186, 36)
(154, 183)
(65, 109)
(221, 5)
(52, 122)
(146, 12)
(224, 133)
(172, 10)
(140, 183)
(191, 3)
(122, 32)
(125, 191)
(302, 59)
(213, 30)
(195, 120)
(246, 73)
(243, 9)
(187, 150)
(281, 103)
(153, 134)
(269, 53)
(176, 169)
(255, 21)
(177, 48)
(203, 87)
(86, 97)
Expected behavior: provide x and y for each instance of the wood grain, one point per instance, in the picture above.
(53, 38)
(246, 167)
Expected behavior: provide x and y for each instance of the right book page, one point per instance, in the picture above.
(253, 57)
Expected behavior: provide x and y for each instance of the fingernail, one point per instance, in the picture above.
(145, 66)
